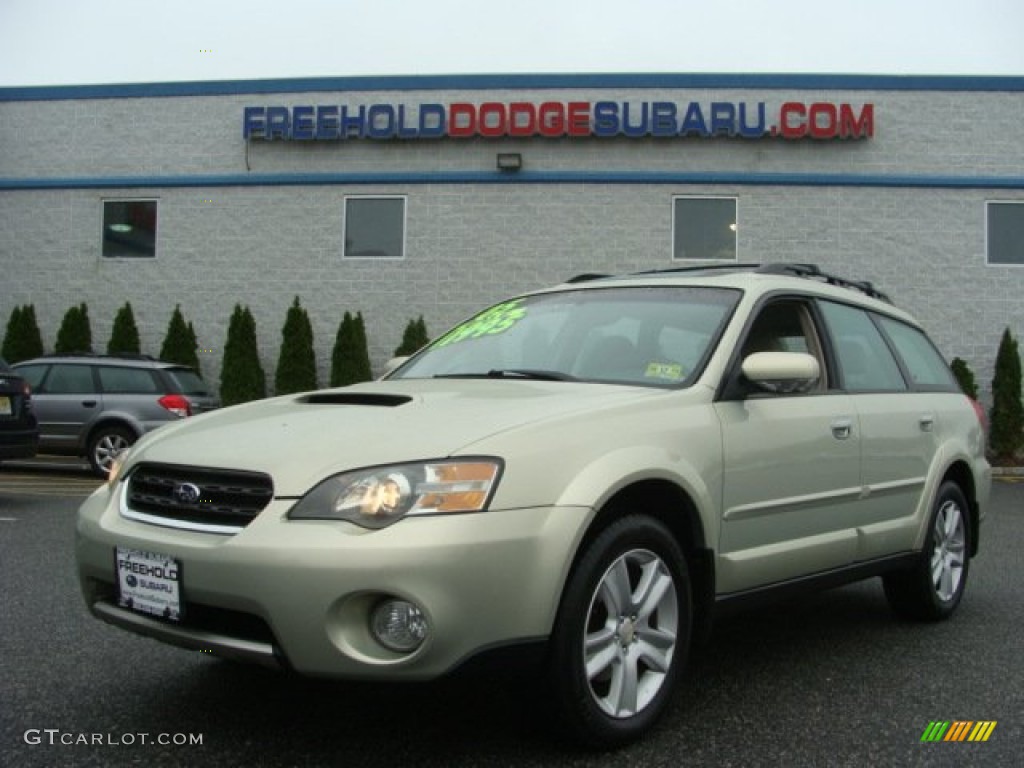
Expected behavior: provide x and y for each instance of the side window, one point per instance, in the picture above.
(925, 365)
(33, 374)
(131, 381)
(785, 326)
(70, 380)
(865, 362)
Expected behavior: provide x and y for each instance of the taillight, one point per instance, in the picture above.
(26, 389)
(176, 404)
(980, 413)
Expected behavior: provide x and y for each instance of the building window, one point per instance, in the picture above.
(704, 228)
(1004, 232)
(129, 229)
(374, 227)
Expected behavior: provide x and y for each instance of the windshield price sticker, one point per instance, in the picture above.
(148, 583)
(492, 322)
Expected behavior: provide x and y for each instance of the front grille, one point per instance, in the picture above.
(198, 498)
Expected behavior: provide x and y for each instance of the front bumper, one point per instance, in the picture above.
(299, 593)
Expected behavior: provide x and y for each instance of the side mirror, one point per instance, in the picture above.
(392, 365)
(782, 373)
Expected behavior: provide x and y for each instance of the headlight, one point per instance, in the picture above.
(380, 496)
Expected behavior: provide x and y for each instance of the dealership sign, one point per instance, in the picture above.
(553, 119)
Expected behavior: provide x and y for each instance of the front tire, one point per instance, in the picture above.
(622, 633)
(105, 445)
(931, 590)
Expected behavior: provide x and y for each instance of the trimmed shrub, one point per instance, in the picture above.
(180, 342)
(124, 338)
(241, 376)
(1006, 419)
(414, 338)
(964, 377)
(22, 340)
(75, 334)
(296, 363)
(350, 359)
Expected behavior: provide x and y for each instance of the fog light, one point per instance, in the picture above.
(399, 625)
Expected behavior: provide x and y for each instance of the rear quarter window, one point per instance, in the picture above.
(925, 366)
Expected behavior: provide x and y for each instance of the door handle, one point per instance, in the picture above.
(89, 403)
(842, 428)
(927, 421)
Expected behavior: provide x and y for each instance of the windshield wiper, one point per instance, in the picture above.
(529, 373)
(511, 373)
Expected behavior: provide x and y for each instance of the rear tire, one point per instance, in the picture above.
(622, 634)
(931, 589)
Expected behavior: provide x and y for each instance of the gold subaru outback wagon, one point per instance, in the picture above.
(593, 470)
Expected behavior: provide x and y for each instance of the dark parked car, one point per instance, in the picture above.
(19, 433)
(98, 405)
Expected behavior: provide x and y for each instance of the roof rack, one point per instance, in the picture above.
(814, 272)
(586, 277)
(794, 269)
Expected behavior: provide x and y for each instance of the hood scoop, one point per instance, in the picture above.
(355, 398)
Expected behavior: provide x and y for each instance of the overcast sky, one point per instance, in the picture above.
(50, 42)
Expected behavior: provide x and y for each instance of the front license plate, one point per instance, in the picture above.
(148, 583)
(5, 406)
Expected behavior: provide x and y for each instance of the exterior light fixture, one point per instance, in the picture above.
(510, 162)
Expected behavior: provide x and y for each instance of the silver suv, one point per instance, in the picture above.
(96, 405)
(593, 470)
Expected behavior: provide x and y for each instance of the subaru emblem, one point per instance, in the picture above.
(186, 493)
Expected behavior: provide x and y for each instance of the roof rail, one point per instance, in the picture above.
(699, 268)
(813, 271)
(115, 356)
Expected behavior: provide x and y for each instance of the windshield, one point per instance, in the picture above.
(659, 336)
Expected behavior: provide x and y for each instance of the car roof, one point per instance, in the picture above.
(758, 279)
(136, 361)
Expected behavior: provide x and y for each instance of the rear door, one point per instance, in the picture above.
(897, 421)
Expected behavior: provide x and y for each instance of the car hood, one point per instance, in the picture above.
(301, 439)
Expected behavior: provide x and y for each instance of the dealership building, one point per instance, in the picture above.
(436, 195)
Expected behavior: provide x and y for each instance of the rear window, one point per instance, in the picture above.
(187, 381)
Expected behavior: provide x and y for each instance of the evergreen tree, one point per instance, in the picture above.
(124, 338)
(193, 341)
(296, 364)
(413, 339)
(32, 339)
(1006, 419)
(363, 369)
(75, 334)
(964, 377)
(350, 360)
(11, 349)
(180, 343)
(241, 375)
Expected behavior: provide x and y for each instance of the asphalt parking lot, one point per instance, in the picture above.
(831, 680)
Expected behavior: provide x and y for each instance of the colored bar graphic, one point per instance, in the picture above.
(935, 731)
(958, 730)
(982, 731)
